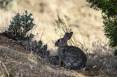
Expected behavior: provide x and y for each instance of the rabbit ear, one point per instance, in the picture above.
(63, 41)
(68, 35)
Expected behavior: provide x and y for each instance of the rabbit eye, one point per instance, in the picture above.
(59, 41)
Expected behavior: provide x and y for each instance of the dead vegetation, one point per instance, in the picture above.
(15, 61)
(17, 64)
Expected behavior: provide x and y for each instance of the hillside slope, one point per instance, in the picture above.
(15, 61)
(76, 15)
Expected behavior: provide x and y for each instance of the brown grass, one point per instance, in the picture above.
(75, 15)
(17, 64)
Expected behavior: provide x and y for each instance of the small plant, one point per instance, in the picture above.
(20, 25)
(37, 47)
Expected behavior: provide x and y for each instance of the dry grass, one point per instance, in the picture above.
(75, 15)
(17, 64)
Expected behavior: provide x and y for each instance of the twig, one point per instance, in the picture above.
(5, 68)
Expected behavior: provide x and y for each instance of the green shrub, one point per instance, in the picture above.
(109, 12)
(20, 25)
(110, 28)
(109, 7)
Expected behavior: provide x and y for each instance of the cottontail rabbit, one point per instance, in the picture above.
(70, 56)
